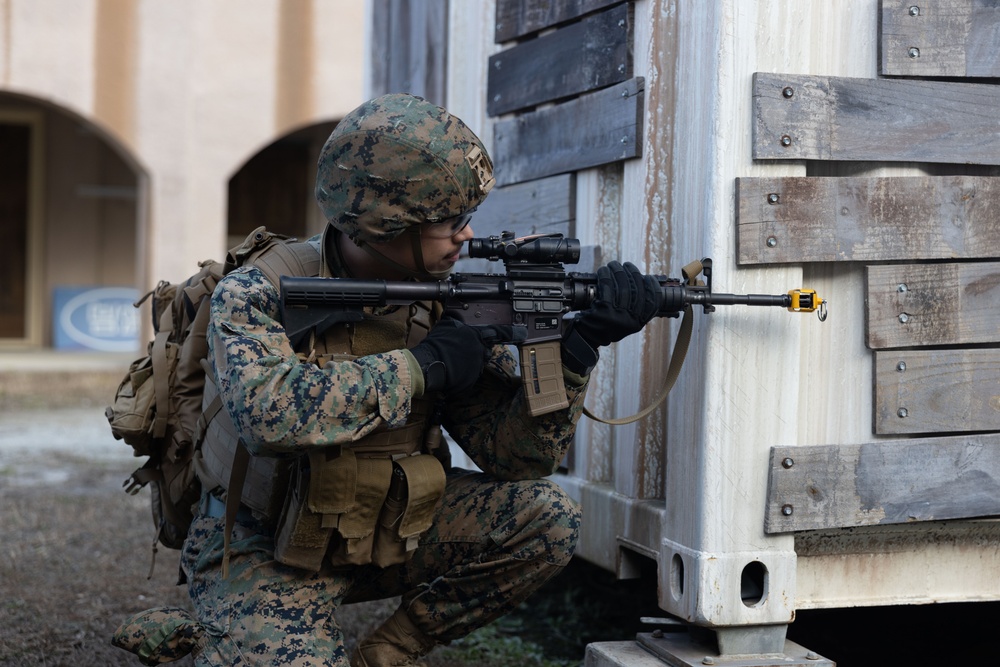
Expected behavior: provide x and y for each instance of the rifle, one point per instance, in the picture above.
(533, 296)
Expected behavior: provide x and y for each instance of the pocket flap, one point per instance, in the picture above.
(373, 477)
(333, 480)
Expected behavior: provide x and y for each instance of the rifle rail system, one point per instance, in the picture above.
(534, 296)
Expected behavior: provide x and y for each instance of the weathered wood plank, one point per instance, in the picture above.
(517, 18)
(937, 391)
(932, 304)
(544, 206)
(799, 117)
(861, 219)
(955, 38)
(594, 129)
(838, 486)
(589, 54)
(408, 50)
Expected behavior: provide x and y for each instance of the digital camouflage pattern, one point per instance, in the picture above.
(397, 161)
(491, 545)
(283, 406)
(161, 635)
(495, 538)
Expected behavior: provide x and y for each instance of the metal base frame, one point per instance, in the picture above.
(682, 649)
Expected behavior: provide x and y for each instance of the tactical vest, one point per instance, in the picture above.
(347, 505)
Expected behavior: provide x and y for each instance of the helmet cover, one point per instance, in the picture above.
(397, 161)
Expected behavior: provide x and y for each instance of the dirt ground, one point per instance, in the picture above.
(75, 556)
(75, 550)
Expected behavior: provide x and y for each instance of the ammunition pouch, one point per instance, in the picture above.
(367, 502)
(353, 507)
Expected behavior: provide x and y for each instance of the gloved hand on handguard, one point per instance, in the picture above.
(626, 300)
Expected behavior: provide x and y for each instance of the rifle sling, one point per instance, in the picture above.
(673, 370)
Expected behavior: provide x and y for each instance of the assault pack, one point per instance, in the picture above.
(158, 407)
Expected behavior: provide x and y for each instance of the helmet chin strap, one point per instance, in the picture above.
(421, 273)
(418, 254)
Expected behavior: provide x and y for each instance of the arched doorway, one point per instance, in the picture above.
(70, 209)
(274, 188)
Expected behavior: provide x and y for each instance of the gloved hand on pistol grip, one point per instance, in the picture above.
(625, 301)
(453, 355)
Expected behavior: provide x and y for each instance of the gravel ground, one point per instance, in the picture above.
(75, 550)
(75, 556)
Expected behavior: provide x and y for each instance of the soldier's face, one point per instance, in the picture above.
(440, 254)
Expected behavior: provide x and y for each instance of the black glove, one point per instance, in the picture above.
(626, 301)
(453, 355)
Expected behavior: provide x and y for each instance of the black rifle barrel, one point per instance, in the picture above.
(303, 292)
(717, 299)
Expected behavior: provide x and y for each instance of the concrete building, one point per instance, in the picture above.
(137, 137)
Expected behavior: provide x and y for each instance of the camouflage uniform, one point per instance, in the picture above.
(496, 536)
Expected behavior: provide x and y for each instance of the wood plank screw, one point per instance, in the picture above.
(901, 366)
(914, 52)
(787, 462)
(904, 318)
(786, 140)
(902, 413)
(787, 510)
(914, 10)
(901, 287)
(771, 242)
(787, 91)
(812, 655)
(708, 660)
(773, 198)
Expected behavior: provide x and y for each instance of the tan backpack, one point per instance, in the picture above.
(158, 406)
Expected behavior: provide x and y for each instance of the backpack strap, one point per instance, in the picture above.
(241, 463)
(161, 379)
(287, 259)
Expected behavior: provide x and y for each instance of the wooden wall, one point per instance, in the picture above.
(408, 49)
(564, 99)
(928, 246)
(776, 137)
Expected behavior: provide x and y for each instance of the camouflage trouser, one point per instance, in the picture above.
(491, 545)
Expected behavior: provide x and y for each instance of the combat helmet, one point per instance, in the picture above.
(397, 162)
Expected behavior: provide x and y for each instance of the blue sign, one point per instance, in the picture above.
(95, 318)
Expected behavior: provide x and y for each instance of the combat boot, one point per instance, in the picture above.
(396, 643)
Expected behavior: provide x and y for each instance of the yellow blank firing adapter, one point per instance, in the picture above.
(806, 301)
